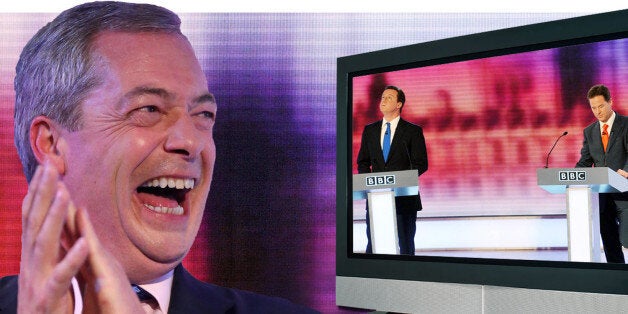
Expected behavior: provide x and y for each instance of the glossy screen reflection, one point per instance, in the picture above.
(489, 124)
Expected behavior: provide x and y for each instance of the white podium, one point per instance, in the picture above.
(380, 189)
(582, 186)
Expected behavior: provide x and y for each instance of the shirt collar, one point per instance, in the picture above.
(160, 288)
(393, 122)
(609, 122)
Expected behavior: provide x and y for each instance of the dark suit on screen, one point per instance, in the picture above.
(613, 205)
(189, 296)
(407, 151)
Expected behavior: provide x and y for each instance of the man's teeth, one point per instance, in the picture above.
(166, 210)
(172, 183)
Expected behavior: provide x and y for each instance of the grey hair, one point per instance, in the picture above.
(56, 71)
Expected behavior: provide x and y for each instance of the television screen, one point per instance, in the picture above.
(491, 107)
(489, 123)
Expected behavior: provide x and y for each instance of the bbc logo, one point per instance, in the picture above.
(380, 180)
(572, 176)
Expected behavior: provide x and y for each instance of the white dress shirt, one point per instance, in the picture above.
(610, 125)
(393, 127)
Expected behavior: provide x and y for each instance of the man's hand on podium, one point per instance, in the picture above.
(623, 173)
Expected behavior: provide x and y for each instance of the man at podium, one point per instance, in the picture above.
(606, 145)
(394, 144)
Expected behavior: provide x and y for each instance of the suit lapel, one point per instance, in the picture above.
(189, 295)
(377, 141)
(614, 135)
(401, 127)
(597, 137)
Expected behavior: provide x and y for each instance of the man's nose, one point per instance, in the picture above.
(184, 138)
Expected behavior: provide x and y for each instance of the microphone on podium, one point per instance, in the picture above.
(550, 152)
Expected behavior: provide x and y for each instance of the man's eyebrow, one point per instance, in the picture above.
(143, 90)
(163, 93)
(205, 98)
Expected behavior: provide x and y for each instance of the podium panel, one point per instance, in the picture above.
(383, 222)
(599, 179)
(583, 225)
(402, 183)
(380, 190)
(582, 186)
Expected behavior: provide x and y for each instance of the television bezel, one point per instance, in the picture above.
(533, 274)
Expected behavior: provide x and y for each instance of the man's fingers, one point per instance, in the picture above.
(50, 293)
(105, 284)
(43, 196)
(100, 265)
(98, 256)
(46, 245)
(52, 250)
(86, 231)
(32, 190)
(70, 232)
(61, 277)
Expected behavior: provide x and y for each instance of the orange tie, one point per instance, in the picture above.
(605, 136)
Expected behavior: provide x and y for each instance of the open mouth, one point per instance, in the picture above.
(165, 195)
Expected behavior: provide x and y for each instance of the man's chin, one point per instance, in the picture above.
(153, 267)
(162, 253)
(167, 257)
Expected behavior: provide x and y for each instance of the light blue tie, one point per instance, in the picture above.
(386, 148)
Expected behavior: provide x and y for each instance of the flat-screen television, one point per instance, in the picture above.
(491, 106)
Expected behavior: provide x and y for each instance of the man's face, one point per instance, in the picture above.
(389, 103)
(601, 108)
(142, 162)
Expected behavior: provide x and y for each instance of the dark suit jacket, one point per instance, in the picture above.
(407, 151)
(189, 296)
(616, 156)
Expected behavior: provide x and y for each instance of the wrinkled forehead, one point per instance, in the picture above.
(155, 59)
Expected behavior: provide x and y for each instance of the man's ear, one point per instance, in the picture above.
(45, 136)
